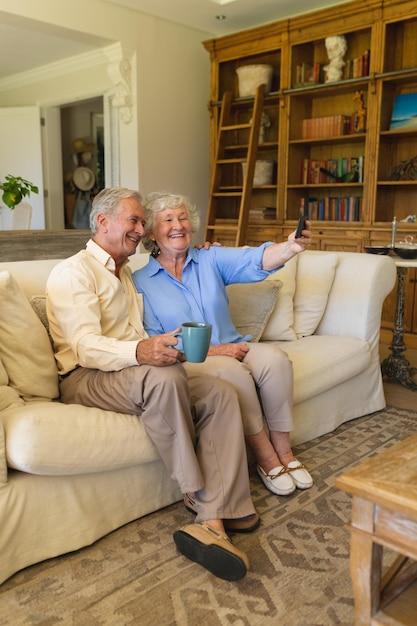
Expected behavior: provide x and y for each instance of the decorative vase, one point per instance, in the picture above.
(264, 171)
(251, 76)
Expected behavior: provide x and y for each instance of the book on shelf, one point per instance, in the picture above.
(357, 67)
(361, 165)
(270, 213)
(256, 214)
(404, 112)
(326, 126)
(313, 73)
(365, 63)
(308, 74)
(264, 213)
(325, 171)
(335, 209)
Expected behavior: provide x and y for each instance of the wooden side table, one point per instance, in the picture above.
(396, 365)
(384, 514)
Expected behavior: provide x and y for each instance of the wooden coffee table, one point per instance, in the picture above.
(384, 514)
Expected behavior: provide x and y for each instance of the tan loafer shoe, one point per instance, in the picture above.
(212, 550)
(237, 525)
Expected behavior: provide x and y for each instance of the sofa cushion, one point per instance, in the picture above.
(53, 438)
(8, 395)
(38, 304)
(315, 274)
(3, 465)
(281, 321)
(25, 348)
(4, 379)
(4, 402)
(322, 362)
(251, 305)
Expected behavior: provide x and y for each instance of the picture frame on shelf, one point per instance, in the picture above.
(404, 112)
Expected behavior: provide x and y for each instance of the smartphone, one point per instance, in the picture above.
(300, 226)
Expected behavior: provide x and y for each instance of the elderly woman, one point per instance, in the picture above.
(181, 283)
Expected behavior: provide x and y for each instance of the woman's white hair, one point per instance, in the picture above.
(159, 201)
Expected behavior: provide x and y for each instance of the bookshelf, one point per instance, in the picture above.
(259, 46)
(380, 64)
(398, 77)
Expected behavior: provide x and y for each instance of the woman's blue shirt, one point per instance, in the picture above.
(201, 296)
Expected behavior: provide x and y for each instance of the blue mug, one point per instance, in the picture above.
(195, 340)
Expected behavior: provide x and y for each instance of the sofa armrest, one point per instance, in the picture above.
(361, 284)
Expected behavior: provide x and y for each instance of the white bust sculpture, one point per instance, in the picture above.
(336, 47)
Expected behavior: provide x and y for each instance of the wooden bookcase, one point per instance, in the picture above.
(381, 38)
(264, 45)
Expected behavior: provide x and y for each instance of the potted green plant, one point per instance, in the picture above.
(15, 188)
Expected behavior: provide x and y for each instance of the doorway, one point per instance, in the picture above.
(83, 158)
(64, 123)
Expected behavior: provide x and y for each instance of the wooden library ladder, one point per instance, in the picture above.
(229, 199)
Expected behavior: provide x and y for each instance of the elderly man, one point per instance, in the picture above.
(106, 359)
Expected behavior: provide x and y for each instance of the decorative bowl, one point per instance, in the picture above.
(377, 249)
(406, 249)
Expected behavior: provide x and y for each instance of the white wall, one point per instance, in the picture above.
(166, 145)
(21, 155)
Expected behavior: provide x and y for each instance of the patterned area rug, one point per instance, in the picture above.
(299, 557)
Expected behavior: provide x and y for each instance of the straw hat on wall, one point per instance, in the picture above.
(83, 178)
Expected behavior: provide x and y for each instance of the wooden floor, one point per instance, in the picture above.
(395, 393)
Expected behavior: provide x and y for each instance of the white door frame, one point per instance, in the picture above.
(52, 168)
(111, 141)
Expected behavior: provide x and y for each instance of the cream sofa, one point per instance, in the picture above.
(70, 474)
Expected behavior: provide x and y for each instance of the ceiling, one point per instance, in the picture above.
(237, 14)
(41, 44)
(26, 44)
